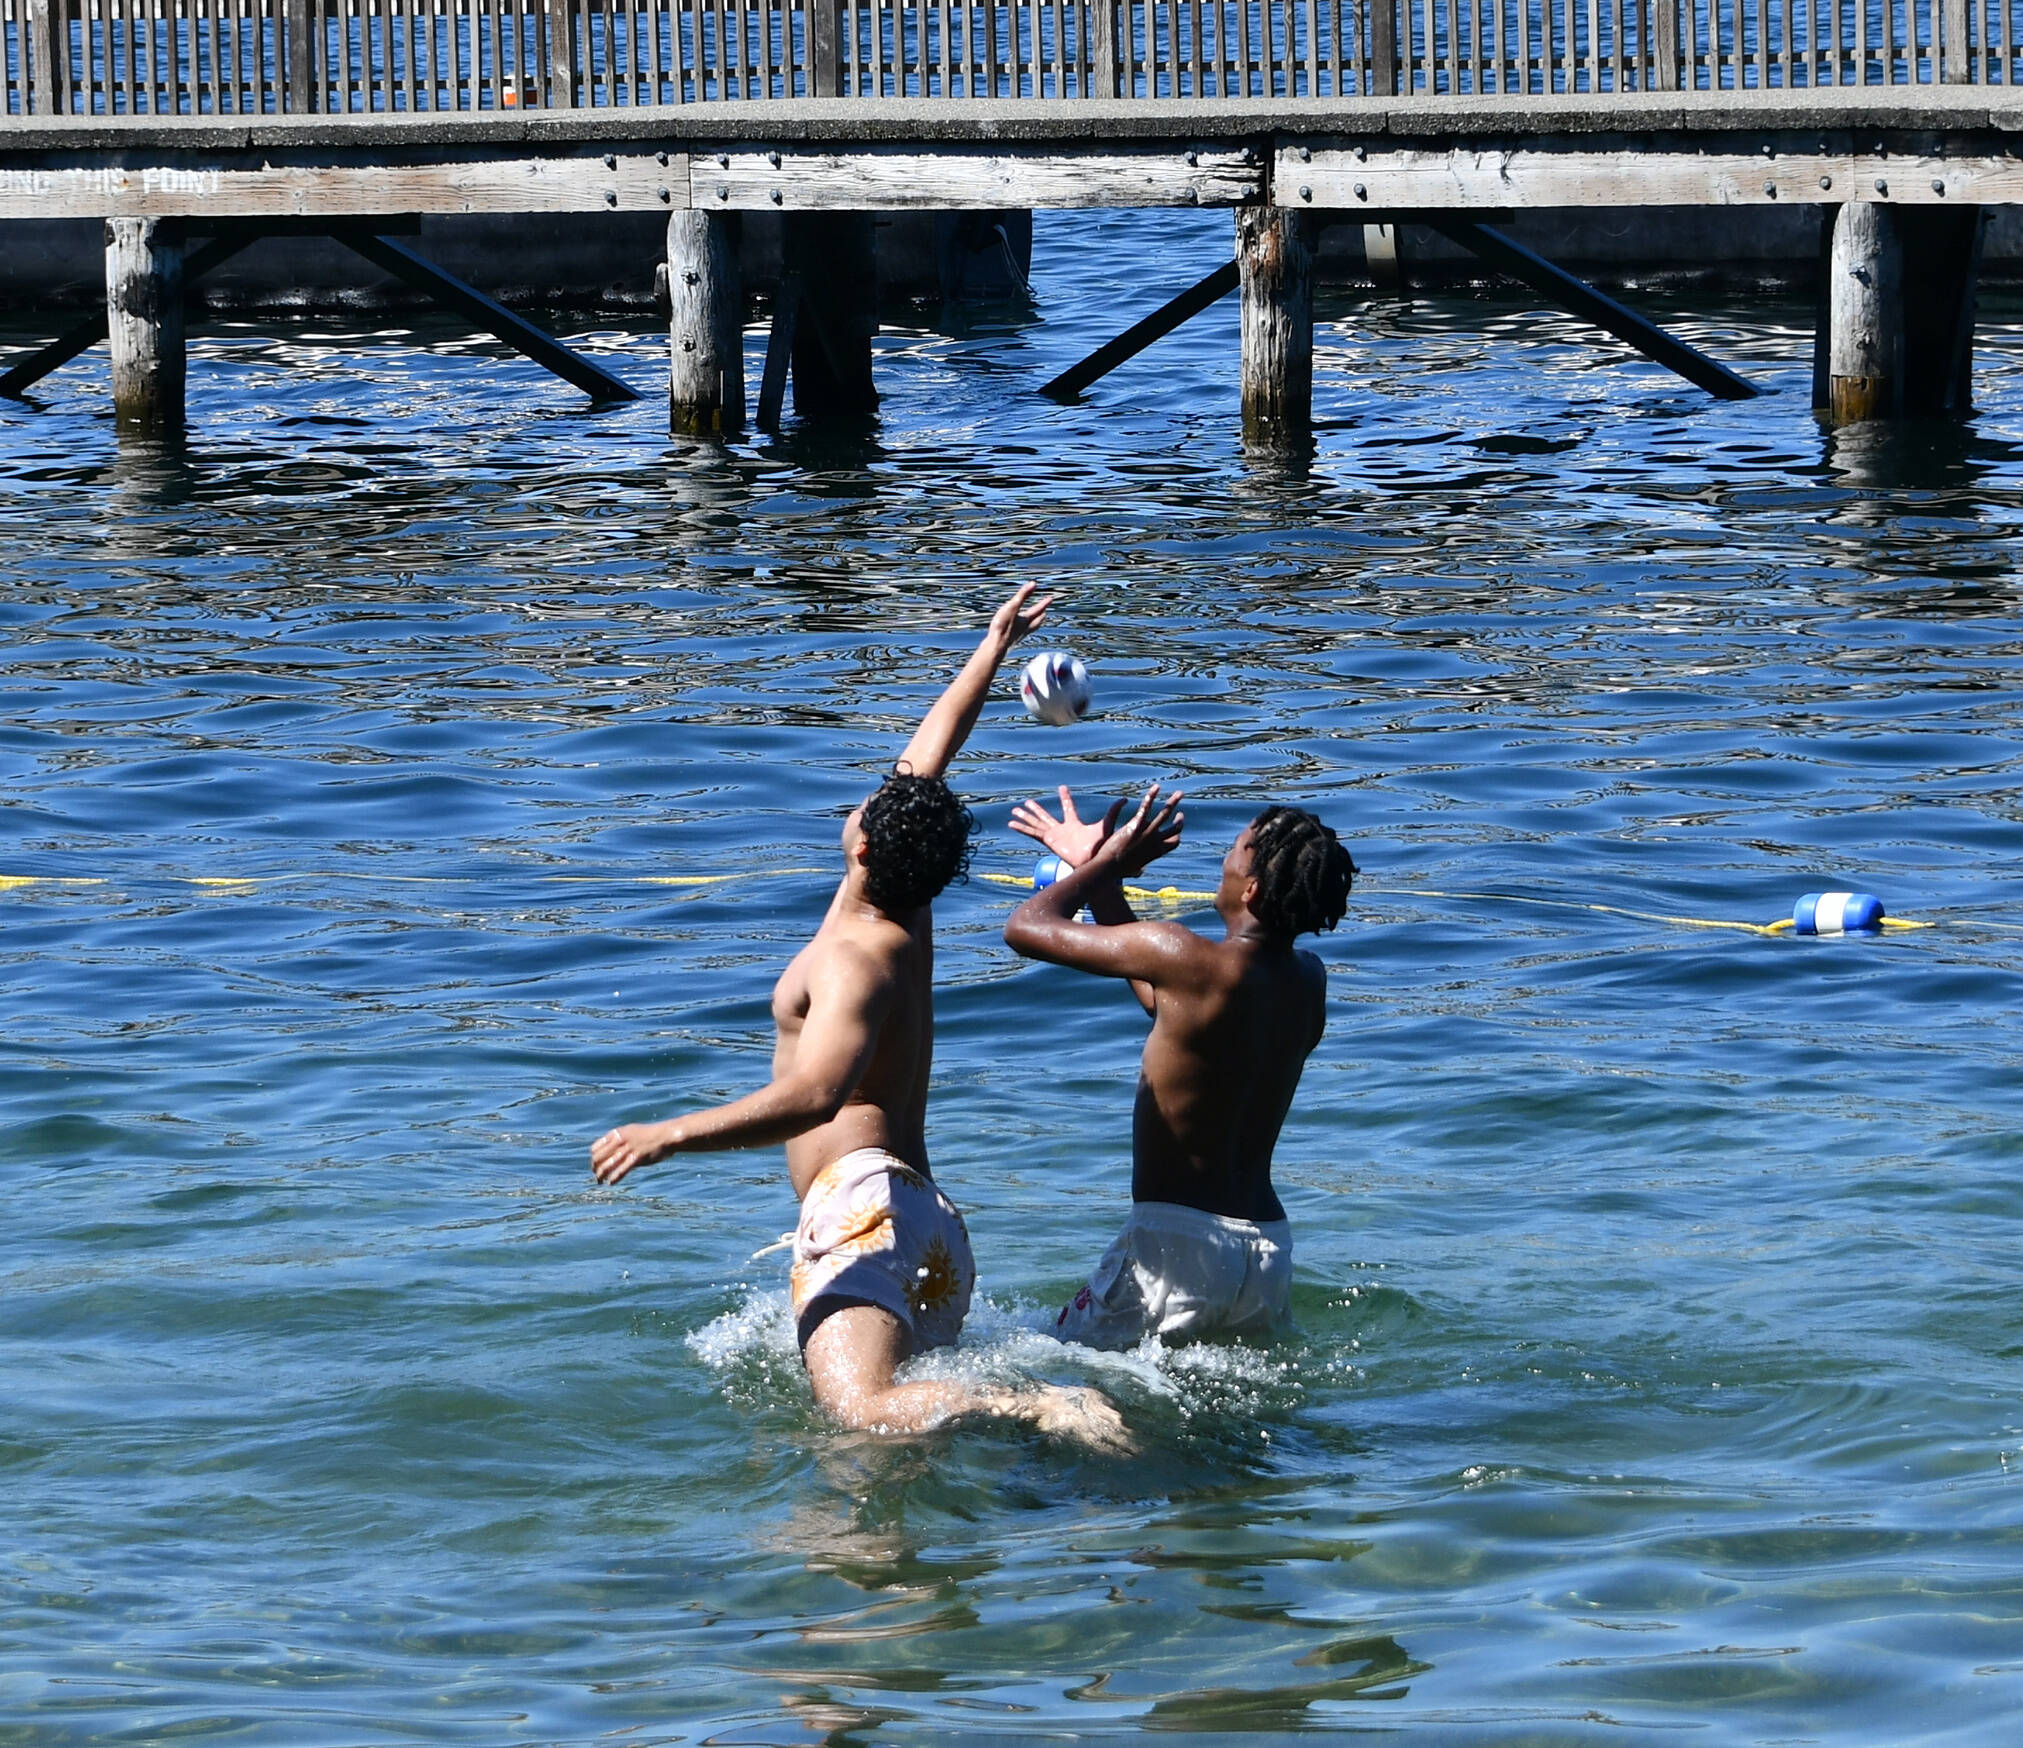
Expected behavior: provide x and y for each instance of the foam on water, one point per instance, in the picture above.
(1208, 1391)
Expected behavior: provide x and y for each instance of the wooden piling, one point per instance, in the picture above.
(1275, 262)
(1941, 248)
(1383, 256)
(144, 321)
(1865, 316)
(706, 326)
(832, 255)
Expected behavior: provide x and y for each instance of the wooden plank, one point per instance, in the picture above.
(322, 189)
(1142, 333)
(881, 179)
(1389, 180)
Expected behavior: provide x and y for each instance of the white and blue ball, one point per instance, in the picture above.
(1837, 913)
(1055, 688)
(1048, 869)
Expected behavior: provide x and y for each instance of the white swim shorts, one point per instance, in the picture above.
(874, 1231)
(1183, 1275)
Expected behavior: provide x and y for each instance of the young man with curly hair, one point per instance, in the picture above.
(1207, 1250)
(882, 1266)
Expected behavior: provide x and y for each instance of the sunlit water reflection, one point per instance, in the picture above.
(1658, 1336)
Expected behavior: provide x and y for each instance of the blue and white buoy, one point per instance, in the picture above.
(1838, 913)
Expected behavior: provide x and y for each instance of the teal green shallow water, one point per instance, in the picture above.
(1658, 1369)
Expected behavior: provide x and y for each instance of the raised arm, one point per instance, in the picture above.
(1075, 840)
(945, 727)
(847, 999)
(1150, 955)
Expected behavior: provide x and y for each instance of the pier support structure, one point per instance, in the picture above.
(144, 321)
(1865, 316)
(1897, 317)
(1275, 267)
(706, 326)
(830, 257)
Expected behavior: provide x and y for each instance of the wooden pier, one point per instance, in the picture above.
(207, 121)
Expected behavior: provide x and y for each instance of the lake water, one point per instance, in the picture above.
(1657, 1375)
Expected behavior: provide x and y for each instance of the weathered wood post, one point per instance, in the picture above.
(1275, 262)
(45, 21)
(144, 320)
(1865, 316)
(1957, 54)
(1898, 294)
(1382, 35)
(825, 48)
(1103, 47)
(1384, 257)
(299, 95)
(559, 32)
(706, 326)
(1665, 36)
(833, 257)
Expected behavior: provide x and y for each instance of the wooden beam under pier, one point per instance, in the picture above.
(516, 331)
(144, 322)
(1143, 332)
(1378, 176)
(1581, 299)
(1934, 146)
(1275, 257)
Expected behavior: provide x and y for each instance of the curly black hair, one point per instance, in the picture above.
(917, 840)
(1303, 873)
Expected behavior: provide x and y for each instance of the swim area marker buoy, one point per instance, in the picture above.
(1817, 913)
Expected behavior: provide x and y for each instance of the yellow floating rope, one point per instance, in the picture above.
(1164, 895)
(1145, 894)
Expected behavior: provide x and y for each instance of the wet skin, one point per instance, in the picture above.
(1233, 1021)
(851, 1064)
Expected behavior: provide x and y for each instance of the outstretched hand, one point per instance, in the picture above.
(619, 1151)
(1019, 615)
(1143, 838)
(1076, 840)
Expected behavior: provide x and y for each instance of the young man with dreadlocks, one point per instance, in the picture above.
(1207, 1251)
(882, 1266)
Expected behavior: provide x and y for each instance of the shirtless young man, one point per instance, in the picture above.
(1207, 1250)
(882, 1266)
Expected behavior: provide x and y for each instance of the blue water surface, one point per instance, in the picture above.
(1657, 1372)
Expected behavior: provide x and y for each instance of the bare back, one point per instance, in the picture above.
(887, 1108)
(1229, 1040)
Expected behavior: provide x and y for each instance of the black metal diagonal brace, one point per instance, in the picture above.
(1140, 334)
(387, 255)
(545, 350)
(1579, 298)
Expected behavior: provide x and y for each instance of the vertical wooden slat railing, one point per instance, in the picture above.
(229, 57)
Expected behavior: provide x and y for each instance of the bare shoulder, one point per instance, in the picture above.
(862, 952)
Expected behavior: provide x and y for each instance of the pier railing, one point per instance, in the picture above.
(232, 57)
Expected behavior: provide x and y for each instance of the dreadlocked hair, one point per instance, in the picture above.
(1303, 873)
(916, 839)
